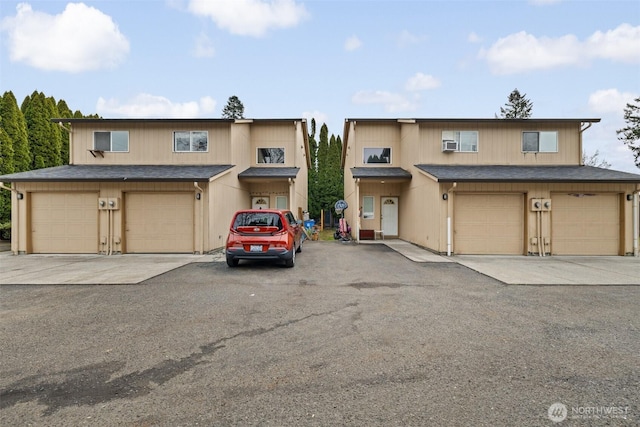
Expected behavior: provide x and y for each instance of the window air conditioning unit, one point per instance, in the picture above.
(449, 145)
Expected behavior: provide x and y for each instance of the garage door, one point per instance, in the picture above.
(585, 224)
(159, 223)
(65, 223)
(488, 224)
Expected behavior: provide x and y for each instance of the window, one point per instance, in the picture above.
(377, 155)
(281, 202)
(190, 141)
(367, 207)
(465, 140)
(111, 141)
(270, 155)
(540, 142)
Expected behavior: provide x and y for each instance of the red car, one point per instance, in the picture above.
(267, 234)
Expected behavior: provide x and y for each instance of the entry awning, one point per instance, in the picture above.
(381, 173)
(153, 173)
(269, 173)
(502, 173)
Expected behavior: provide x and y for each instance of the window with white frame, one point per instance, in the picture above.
(367, 207)
(540, 142)
(377, 155)
(465, 141)
(115, 140)
(190, 141)
(270, 155)
(281, 202)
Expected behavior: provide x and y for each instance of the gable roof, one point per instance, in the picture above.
(498, 173)
(119, 173)
(271, 172)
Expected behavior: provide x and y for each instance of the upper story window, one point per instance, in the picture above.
(540, 142)
(270, 155)
(377, 155)
(115, 140)
(460, 140)
(190, 141)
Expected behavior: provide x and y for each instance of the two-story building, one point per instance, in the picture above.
(486, 186)
(158, 185)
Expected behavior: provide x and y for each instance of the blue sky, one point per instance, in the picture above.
(330, 59)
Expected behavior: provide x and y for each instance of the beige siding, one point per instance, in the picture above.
(374, 135)
(274, 135)
(159, 223)
(151, 143)
(64, 223)
(499, 145)
(488, 224)
(586, 225)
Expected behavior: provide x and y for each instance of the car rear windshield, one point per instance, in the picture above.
(257, 219)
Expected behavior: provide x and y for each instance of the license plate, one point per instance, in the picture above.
(255, 248)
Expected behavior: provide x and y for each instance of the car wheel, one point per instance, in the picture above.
(291, 262)
(231, 262)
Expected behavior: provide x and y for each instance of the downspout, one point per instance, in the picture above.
(359, 220)
(17, 218)
(201, 200)
(636, 221)
(449, 211)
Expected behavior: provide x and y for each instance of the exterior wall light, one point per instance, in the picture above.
(629, 197)
(445, 196)
(20, 196)
(198, 196)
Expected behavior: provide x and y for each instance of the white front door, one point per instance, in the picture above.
(389, 216)
(260, 203)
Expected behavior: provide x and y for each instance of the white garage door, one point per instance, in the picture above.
(64, 223)
(585, 224)
(159, 222)
(489, 224)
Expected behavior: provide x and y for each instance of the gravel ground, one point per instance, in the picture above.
(353, 335)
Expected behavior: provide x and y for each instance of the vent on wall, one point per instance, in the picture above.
(449, 146)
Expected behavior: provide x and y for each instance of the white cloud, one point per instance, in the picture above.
(620, 44)
(406, 38)
(523, 52)
(421, 81)
(151, 106)
(473, 38)
(392, 102)
(203, 47)
(610, 101)
(320, 118)
(352, 43)
(250, 17)
(81, 38)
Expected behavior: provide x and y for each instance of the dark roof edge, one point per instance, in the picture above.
(460, 119)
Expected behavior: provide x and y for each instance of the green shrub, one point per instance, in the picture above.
(5, 230)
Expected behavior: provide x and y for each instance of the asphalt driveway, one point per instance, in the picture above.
(353, 335)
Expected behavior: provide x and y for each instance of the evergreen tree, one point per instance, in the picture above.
(630, 134)
(15, 126)
(6, 167)
(518, 107)
(44, 142)
(312, 180)
(64, 113)
(234, 109)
